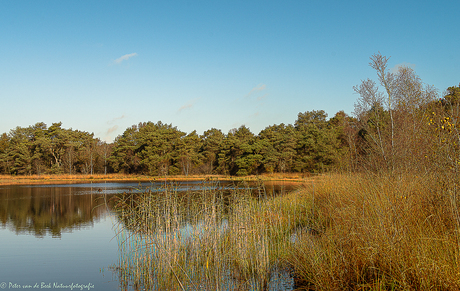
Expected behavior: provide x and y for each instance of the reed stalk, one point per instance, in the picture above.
(213, 239)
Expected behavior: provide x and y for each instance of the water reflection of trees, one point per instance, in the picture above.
(53, 210)
(182, 204)
(48, 210)
(214, 236)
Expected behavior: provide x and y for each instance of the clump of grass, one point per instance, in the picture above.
(209, 240)
(380, 232)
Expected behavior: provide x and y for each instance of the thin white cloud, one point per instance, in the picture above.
(112, 129)
(125, 58)
(260, 98)
(188, 105)
(108, 135)
(396, 68)
(258, 88)
(115, 119)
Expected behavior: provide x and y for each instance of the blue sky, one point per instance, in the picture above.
(102, 66)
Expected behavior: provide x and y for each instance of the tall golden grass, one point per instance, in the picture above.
(340, 232)
(206, 240)
(381, 233)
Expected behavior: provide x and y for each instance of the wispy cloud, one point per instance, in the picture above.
(112, 129)
(108, 134)
(258, 88)
(125, 58)
(396, 68)
(260, 98)
(189, 105)
(115, 119)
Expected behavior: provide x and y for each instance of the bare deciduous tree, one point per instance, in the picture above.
(393, 118)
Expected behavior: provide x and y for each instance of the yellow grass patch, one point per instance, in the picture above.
(85, 178)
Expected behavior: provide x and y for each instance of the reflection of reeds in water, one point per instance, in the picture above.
(206, 240)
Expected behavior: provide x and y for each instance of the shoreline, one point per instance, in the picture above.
(9, 180)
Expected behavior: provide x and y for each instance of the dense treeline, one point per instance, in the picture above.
(403, 126)
(313, 144)
(40, 149)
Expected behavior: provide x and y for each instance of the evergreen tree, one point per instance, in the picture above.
(316, 143)
(211, 145)
(279, 147)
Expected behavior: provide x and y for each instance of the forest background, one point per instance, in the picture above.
(399, 124)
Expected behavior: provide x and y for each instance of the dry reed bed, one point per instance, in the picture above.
(208, 240)
(381, 233)
(352, 232)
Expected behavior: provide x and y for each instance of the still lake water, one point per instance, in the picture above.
(62, 236)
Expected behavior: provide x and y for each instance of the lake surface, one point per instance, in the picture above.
(62, 236)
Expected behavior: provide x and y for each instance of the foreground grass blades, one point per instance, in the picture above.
(343, 232)
(382, 233)
(209, 240)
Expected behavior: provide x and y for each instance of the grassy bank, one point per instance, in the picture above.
(65, 178)
(83, 178)
(342, 232)
(381, 233)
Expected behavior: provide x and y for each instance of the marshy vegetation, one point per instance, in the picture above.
(381, 232)
(343, 232)
(216, 238)
(357, 231)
